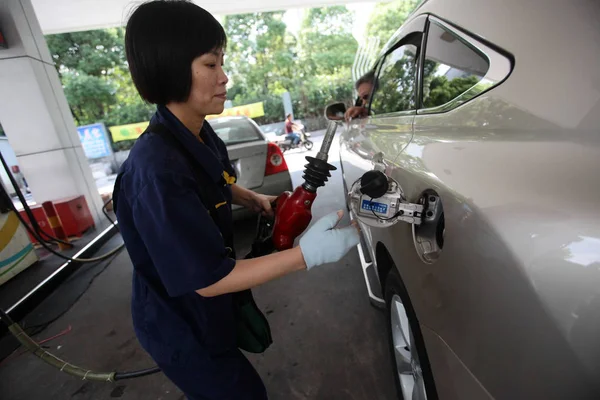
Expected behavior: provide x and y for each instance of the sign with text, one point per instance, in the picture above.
(249, 110)
(127, 132)
(94, 141)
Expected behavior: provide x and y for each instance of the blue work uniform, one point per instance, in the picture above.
(177, 248)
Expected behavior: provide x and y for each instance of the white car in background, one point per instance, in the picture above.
(258, 163)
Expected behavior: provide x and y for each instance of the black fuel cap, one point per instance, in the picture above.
(374, 184)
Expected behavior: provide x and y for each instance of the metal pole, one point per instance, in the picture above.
(327, 141)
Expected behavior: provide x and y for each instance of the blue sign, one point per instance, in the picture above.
(369, 205)
(94, 140)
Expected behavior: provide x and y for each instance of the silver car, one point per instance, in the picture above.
(259, 164)
(485, 120)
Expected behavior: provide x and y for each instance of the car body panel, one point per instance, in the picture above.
(248, 160)
(247, 149)
(512, 304)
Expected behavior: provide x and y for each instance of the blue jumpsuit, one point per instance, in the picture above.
(176, 248)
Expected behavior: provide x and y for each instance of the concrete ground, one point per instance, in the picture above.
(329, 343)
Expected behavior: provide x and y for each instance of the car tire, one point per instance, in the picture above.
(308, 145)
(410, 364)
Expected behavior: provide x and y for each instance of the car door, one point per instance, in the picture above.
(375, 141)
(247, 149)
(463, 280)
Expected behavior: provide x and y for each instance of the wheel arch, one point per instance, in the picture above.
(385, 264)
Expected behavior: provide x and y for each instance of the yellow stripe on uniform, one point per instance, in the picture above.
(9, 229)
(228, 178)
(220, 204)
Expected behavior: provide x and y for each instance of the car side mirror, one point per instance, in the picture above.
(335, 112)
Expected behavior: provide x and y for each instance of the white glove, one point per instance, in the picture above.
(323, 243)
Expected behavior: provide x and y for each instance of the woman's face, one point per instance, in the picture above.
(208, 92)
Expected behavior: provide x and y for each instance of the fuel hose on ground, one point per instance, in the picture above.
(262, 245)
(64, 366)
(316, 175)
(23, 338)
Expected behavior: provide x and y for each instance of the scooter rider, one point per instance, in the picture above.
(184, 276)
(289, 130)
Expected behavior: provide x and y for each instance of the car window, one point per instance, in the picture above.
(235, 131)
(451, 67)
(395, 89)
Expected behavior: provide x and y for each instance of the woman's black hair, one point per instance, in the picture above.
(162, 38)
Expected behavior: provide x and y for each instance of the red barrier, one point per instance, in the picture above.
(56, 225)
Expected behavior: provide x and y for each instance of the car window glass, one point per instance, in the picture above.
(451, 67)
(395, 89)
(235, 131)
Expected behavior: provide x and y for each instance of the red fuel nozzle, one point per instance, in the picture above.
(293, 210)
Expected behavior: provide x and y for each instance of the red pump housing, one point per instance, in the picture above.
(293, 216)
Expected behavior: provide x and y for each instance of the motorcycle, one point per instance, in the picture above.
(304, 140)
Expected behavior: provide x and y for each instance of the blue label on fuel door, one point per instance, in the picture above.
(369, 205)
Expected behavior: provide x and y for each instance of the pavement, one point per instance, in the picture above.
(329, 342)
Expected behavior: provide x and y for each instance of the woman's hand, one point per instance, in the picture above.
(262, 203)
(325, 243)
(256, 202)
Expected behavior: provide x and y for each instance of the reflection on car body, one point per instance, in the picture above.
(496, 294)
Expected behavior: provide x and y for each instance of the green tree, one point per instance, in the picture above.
(85, 62)
(327, 50)
(260, 60)
(95, 77)
(326, 40)
(388, 17)
(89, 96)
(260, 54)
(94, 53)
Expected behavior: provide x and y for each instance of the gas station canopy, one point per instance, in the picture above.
(58, 16)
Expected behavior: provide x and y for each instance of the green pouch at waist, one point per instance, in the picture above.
(252, 328)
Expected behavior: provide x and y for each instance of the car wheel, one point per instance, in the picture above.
(412, 373)
(308, 145)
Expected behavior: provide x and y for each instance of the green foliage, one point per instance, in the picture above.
(442, 90)
(89, 96)
(89, 64)
(93, 53)
(326, 41)
(260, 55)
(327, 49)
(388, 17)
(263, 60)
(95, 78)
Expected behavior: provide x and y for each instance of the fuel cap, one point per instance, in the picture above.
(374, 184)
